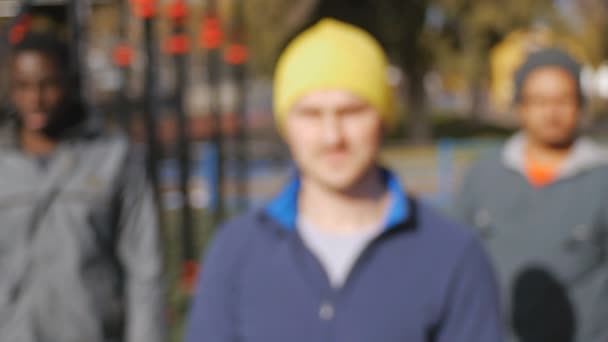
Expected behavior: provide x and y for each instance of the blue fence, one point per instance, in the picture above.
(433, 172)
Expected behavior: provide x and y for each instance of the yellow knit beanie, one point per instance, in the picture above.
(333, 55)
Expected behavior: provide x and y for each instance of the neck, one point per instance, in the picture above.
(547, 154)
(36, 143)
(361, 207)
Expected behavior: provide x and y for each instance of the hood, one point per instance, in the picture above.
(585, 155)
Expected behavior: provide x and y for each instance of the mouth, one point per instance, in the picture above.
(336, 157)
(35, 120)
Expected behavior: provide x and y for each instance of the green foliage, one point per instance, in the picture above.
(473, 28)
(452, 37)
(270, 23)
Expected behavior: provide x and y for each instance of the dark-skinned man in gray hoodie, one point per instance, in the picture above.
(542, 208)
(80, 252)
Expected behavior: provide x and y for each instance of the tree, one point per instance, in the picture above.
(457, 39)
(270, 23)
(471, 29)
(591, 21)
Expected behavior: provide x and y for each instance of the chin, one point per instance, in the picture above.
(561, 144)
(340, 181)
(35, 129)
(335, 181)
(559, 140)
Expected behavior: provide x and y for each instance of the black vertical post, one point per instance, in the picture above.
(178, 45)
(122, 60)
(78, 13)
(236, 57)
(150, 107)
(75, 34)
(212, 40)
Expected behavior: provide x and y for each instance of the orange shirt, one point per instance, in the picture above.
(541, 174)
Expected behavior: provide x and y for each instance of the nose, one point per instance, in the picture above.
(34, 97)
(331, 129)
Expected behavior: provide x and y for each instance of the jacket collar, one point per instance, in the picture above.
(284, 207)
(585, 155)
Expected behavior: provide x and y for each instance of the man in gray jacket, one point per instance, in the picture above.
(80, 253)
(542, 207)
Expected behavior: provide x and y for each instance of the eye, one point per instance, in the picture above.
(20, 85)
(354, 109)
(308, 112)
(534, 100)
(51, 83)
(567, 101)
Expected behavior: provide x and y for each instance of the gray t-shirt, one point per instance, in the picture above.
(337, 253)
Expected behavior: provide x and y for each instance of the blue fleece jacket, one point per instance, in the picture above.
(422, 279)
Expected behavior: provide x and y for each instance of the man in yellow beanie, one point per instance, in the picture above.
(342, 253)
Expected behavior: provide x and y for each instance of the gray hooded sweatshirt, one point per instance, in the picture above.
(549, 245)
(80, 253)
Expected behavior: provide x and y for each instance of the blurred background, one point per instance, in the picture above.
(191, 83)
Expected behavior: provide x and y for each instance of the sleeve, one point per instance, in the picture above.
(213, 313)
(472, 312)
(601, 305)
(141, 255)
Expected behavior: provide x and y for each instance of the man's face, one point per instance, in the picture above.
(550, 108)
(334, 137)
(37, 90)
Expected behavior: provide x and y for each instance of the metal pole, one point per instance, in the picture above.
(79, 12)
(150, 107)
(74, 22)
(212, 40)
(178, 45)
(123, 105)
(236, 56)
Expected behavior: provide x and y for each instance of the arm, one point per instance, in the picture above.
(472, 312)
(140, 253)
(213, 314)
(601, 306)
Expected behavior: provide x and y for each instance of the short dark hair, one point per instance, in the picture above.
(46, 44)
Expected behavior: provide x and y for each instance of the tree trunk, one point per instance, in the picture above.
(420, 131)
